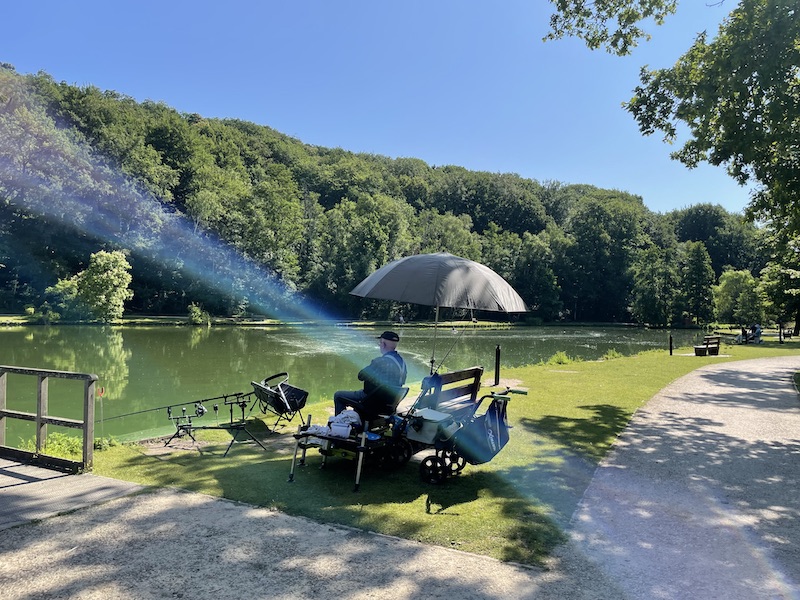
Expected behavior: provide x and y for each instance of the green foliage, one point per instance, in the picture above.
(738, 95)
(611, 354)
(46, 315)
(605, 23)
(781, 280)
(655, 286)
(98, 292)
(57, 444)
(738, 298)
(596, 278)
(319, 219)
(697, 280)
(536, 279)
(560, 358)
(105, 443)
(198, 316)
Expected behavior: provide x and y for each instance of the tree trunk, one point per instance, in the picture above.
(797, 322)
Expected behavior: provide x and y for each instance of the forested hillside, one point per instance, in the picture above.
(84, 170)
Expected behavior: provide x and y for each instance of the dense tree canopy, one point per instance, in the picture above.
(208, 211)
(739, 97)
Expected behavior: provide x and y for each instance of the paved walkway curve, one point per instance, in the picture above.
(698, 500)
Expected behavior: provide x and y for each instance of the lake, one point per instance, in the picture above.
(144, 368)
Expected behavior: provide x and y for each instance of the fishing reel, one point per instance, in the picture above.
(199, 411)
(183, 422)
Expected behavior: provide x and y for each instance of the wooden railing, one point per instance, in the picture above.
(42, 419)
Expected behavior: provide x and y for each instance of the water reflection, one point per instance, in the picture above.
(144, 368)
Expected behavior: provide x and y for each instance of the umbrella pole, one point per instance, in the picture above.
(435, 327)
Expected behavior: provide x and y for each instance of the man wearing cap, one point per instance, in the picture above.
(387, 371)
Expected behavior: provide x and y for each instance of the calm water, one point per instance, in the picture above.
(144, 368)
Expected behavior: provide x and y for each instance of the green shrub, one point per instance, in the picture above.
(46, 314)
(57, 444)
(198, 316)
(611, 354)
(560, 358)
(105, 443)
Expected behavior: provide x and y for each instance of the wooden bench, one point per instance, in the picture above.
(709, 347)
(455, 393)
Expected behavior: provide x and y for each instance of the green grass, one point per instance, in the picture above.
(513, 508)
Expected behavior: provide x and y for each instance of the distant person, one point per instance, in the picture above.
(386, 372)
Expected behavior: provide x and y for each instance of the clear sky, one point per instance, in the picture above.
(453, 82)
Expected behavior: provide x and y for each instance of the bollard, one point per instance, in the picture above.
(497, 365)
(670, 344)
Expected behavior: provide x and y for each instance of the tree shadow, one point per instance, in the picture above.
(173, 544)
(706, 481)
(590, 436)
(451, 510)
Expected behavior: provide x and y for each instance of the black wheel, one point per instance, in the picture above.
(432, 470)
(453, 462)
(398, 453)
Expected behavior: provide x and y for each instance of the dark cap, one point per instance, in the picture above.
(389, 335)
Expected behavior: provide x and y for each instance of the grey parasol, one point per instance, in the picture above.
(441, 280)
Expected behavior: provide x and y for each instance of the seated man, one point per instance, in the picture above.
(384, 375)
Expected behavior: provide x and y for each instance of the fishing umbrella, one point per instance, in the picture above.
(441, 280)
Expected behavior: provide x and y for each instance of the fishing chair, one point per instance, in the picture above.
(277, 397)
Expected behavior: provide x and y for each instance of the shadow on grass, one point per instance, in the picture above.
(477, 511)
(590, 436)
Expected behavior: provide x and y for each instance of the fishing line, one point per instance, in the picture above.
(168, 406)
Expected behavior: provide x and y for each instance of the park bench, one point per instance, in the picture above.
(454, 393)
(709, 347)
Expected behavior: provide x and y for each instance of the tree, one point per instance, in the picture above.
(738, 298)
(98, 292)
(447, 233)
(500, 250)
(729, 239)
(535, 279)
(655, 282)
(610, 23)
(739, 96)
(697, 278)
(781, 280)
(597, 279)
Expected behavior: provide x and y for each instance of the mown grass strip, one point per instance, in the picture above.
(514, 508)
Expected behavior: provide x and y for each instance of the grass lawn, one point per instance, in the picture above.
(513, 508)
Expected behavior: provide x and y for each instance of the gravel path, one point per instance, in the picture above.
(698, 500)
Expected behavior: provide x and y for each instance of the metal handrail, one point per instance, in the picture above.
(42, 419)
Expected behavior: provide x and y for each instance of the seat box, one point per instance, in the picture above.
(426, 424)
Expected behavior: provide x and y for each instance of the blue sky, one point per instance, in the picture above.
(461, 82)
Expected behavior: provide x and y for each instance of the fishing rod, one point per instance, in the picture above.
(441, 362)
(198, 403)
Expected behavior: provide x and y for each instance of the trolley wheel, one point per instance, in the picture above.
(398, 453)
(432, 470)
(453, 462)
